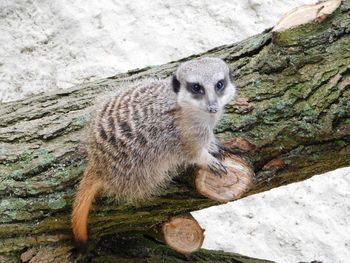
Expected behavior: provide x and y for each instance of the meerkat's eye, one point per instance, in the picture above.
(220, 85)
(197, 89)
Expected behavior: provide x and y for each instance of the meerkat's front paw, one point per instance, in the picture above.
(217, 168)
(207, 161)
(218, 151)
(218, 154)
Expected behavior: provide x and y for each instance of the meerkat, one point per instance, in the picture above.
(141, 135)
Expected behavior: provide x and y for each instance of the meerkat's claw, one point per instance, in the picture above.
(223, 168)
(218, 155)
(213, 170)
(223, 149)
(219, 151)
(217, 168)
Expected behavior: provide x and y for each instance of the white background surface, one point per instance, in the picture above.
(46, 45)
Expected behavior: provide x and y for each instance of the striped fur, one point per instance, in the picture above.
(141, 135)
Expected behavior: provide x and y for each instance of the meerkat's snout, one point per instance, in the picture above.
(213, 107)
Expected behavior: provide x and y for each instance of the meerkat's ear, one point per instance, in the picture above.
(176, 84)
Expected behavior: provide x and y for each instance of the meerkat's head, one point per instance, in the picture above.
(205, 83)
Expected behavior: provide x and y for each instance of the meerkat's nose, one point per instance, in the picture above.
(213, 108)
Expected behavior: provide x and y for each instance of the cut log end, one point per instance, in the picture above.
(183, 234)
(306, 14)
(233, 185)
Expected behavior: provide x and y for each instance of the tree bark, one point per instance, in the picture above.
(290, 122)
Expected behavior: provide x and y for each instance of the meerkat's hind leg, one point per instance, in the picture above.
(207, 161)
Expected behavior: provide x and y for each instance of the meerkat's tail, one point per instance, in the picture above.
(88, 188)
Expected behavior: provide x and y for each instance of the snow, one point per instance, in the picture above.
(47, 45)
(300, 222)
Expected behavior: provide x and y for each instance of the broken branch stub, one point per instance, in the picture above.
(233, 185)
(183, 234)
(306, 14)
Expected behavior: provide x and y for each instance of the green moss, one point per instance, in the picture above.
(81, 120)
(341, 143)
(52, 181)
(3, 151)
(224, 123)
(136, 247)
(26, 156)
(4, 204)
(299, 91)
(315, 156)
(47, 159)
(309, 114)
(32, 190)
(274, 111)
(305, 129)
(42, 151)
(9, 183)
(257, 83)
(13, 209)
(244, 122)
(64, 174)
(16, 175)
(306, 34)
(58, 203)
(4, 174)
(18, 204)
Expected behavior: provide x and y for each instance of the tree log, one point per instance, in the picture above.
(290, 122)
(183, 234)
(229, 187)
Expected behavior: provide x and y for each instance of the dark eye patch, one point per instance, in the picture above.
(195, 89)
(220, 86)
